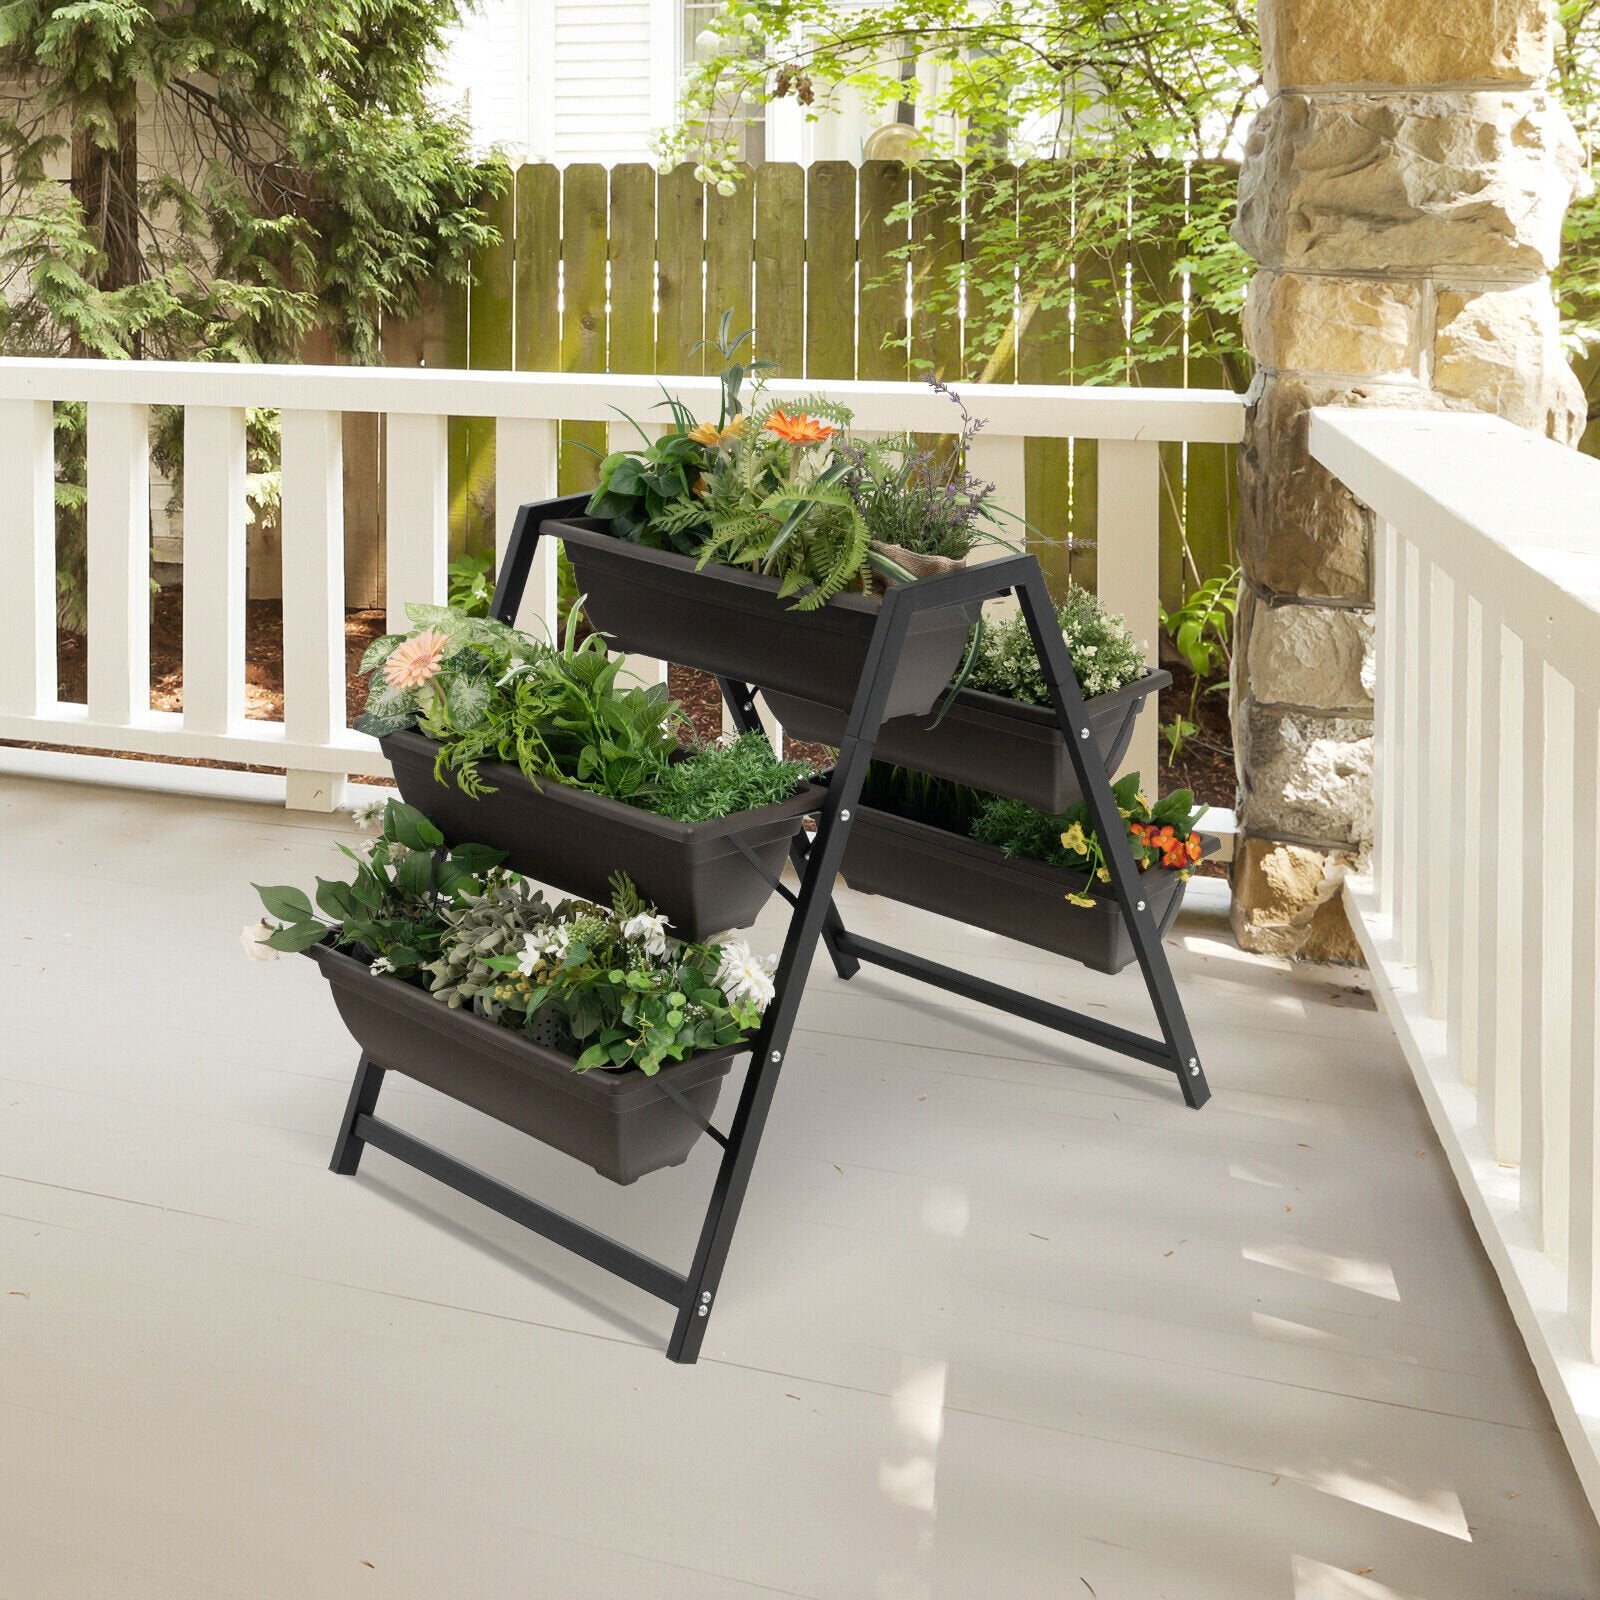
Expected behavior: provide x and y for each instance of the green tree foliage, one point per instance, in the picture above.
(1122, 112)
(302, 181)
(310, 181)
(1577, 279)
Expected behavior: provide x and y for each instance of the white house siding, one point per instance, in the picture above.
(607, 69)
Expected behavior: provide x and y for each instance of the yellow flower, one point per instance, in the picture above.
(1075, 840)
(1082, 900)
(710, 435)
(1141, 802)
(1104, 874)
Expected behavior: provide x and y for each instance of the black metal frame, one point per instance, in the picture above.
(816, 919)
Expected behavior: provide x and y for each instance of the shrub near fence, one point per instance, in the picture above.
(628, 270)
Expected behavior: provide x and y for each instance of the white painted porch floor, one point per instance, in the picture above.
(1003, 1319)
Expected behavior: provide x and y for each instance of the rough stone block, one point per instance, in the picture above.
(1409, 182)
(1286, 902)
(1500, 349)
(1307, 776)
(1306, 322)
(1329, 43)
(1319, 657)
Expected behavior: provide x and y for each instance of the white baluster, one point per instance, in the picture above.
(213, 569)
(1466, 878)
(28, 557)
(526, 464)
(1583, 1245)
(313, 596)
(119, 563)
(1388, 752)
(1128, 529)
(1441, 808)
(1556, 973)
(1408, 877)
(1500, 822)
(417, 513)
(1528, 846)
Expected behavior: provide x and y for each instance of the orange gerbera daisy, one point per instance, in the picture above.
(799, 429)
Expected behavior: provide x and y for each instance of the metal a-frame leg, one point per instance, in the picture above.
(1067, 698)
(347, 1148)
(812, 910)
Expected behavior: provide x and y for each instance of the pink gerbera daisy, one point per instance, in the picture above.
(417, 660)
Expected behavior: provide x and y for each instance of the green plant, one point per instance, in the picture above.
(920, 797)
(1105, 655)
(608, 987)
(921, 498)
(720, 779)
(1201, 630)
(482, 691)
(471, 584)
(1158, 835)
(626, 994)
(392, 909)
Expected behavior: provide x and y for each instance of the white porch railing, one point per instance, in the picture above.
(312, 742)
(1481, 912)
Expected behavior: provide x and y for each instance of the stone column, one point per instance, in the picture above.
(1403, 191)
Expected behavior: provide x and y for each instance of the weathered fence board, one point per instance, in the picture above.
(629, 270)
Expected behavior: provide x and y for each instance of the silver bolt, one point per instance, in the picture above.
(1194, 1067)
(1141, 905)
(1084, 734)
(777, 1055)
(844, 816)
(705, 1294)
(702, 1311)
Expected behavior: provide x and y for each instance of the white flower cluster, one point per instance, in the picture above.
(743, 975)
(549, 943)
(649, 930)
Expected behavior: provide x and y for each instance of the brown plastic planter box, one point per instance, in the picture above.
(730, 622)
(575, 841)
(620, 1123)
(988, 742)
(974, 883)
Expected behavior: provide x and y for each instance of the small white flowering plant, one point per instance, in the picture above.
(613, 988)
(1105, 654)
(608, 986)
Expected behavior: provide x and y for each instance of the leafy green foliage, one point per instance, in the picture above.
(471, 580)
(314, 188)
(1105, 655)
(1158, 835)
(1129, 106)
(721, 779)
(1577, 277)
(606, 986)
(566, 714)
(391, 909)
(780, 489)
(610, 986)
(1202, 631)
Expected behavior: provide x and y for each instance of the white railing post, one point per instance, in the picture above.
(641, 669)
(1583, 1213)
(1466, 893)
(1410, 598)
(313, 596)
(119, 562)
(1387, 707)
(1556, 970)
(28, 556)
(1128, 531)
(213, 568)
(1441, 808)
(1530, 845)
(526, 461)
(417, 513)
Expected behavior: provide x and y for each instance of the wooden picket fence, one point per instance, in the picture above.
(628, 270)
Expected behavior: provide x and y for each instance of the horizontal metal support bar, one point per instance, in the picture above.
(599, 1248)
(1029, 1007)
